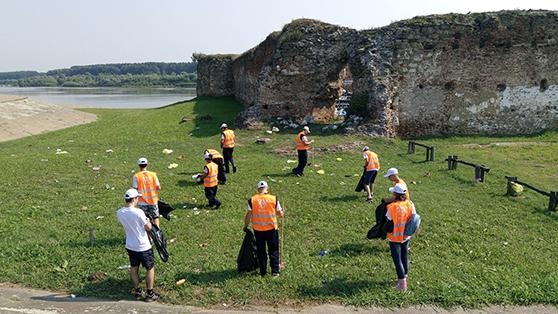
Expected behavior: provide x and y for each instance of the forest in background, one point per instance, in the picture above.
(148, 74)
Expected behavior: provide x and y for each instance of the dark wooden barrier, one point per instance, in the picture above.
(429, 150)
(480, 170)
(553, 201)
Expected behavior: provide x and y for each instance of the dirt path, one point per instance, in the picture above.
(23, 116)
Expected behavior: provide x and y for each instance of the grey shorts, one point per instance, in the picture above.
(151, 211)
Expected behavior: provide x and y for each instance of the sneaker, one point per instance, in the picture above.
(234, 169)
(217, 206)
(138, 293)
(369, 200)
(275, 274)
(150, 297)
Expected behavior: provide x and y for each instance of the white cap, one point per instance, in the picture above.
(391, 171)
(262, 184)
(306, 128)
(131, 193)
(365, 148)
(398, 189)
(224, 125)
(142, 161)
(206, 155)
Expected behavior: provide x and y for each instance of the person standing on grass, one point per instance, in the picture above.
(398, 213)
(393, 175)
(263, 209)
(228, 141)
(147, 184)
(217, 158)
(210, 182)
(302, 147)
(371, 168)
(136, 226)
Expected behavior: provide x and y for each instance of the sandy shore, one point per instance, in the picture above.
(22, 116)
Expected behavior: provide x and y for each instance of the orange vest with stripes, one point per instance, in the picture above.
(214, 154)
(400, 213)
(373, 161)
(147, 187)
(300, 145)
(228, 139)
(264, 215)
(211, 179)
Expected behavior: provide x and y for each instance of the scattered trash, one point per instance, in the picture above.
(275, 129)
(269, 132)
(356, 175)
(324, 252)
(181, 157)
(96, 168)
(100, 217)
(107, 186)
(172, 240)
(167, 151)
(413, 182)
(109, 151)
(290, 161)
(124, 267)
(342, 183)
(59, 151)
(321, 171)
(88, 161)
(338, 158)
(172, 166)
(203, 244)
(73, 296)
(83, 208)
(44, 160)
(181, 281)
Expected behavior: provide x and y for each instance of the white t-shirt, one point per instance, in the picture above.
(134, 220)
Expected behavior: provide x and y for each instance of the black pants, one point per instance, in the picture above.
(302, 161)
(221, 176)
(271, 239)
(211, 195)
(228, 156)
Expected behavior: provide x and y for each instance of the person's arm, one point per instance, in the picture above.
(134, 182)
(157, 184)
(248, 216)
(222, 139)
(365, 160)
(279, 210)
(205, 172)
(306, 141)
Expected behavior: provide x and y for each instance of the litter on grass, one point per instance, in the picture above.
(290, 161)
(181, 281)
(172, 166)
(59, 151)
(167, 151)
(109, 151)
(338, 158)
(321, 171)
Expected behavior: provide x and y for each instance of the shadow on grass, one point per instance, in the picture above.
(340, 287)
(209, 277)
(356, 249)
(340, 198)
(108, 288)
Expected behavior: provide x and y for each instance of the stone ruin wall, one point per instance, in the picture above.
(484, 73)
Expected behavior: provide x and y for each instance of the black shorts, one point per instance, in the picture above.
(151, 211)
(144, 258)
(369, 177)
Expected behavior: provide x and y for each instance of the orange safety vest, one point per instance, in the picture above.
(264, 215)
(373, 161)
(211, 179)
(300, 145)
(147, 187)
(400, 213)
(229, 139)
(214, 154)
(407, 195)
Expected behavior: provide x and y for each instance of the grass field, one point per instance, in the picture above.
(476, 246)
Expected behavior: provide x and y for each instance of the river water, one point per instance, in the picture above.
(104, 97)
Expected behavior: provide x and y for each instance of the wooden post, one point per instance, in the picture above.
(509, 190)
(91, 236)
(411, 147)
(553, 201)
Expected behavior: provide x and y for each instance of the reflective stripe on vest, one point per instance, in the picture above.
(400, 213)
(264, 212)
(147, 187)
(229, 139)
(299, 143)
(211, 179)
(373, 162)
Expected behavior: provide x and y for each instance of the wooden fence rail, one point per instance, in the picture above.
(429, 150)
(553, 196)
(480, 170)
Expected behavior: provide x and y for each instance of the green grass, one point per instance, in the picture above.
(475, 247)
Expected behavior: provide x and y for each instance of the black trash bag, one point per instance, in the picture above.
(164, 209)
(360, 184)
(160, 242)
(247, 259)
(379, 230)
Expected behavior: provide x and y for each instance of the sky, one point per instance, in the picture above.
(42, 35)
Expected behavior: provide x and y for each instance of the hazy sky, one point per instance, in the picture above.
(51, 34)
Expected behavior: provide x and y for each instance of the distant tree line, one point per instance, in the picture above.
(149, 74)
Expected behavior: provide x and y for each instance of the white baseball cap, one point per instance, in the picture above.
(142, 161)
(306, 128)
(131, 193)
(224, 125)
(365, 148)
(206, 155)
(391, 171)
(398, 189)
(262, 184)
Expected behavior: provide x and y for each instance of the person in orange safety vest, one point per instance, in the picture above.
(393, 175)
(371, 168)
(228, 142)
(210, 181)
(302, 147)
(147, 184)
(263, 209)
(398, 213)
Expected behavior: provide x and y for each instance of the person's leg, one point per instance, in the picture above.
(216, 201)
(209, 195)
(405, 256)
(134, 275)
(366, 182)
(260, 245)
(273, 247)
(395, 249)
(303, 160)
(231, 159)
(372, 180)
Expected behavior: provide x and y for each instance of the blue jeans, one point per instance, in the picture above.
(400, 257)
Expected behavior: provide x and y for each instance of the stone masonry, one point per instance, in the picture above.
(484, 73)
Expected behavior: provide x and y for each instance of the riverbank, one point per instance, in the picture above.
(22, 116)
